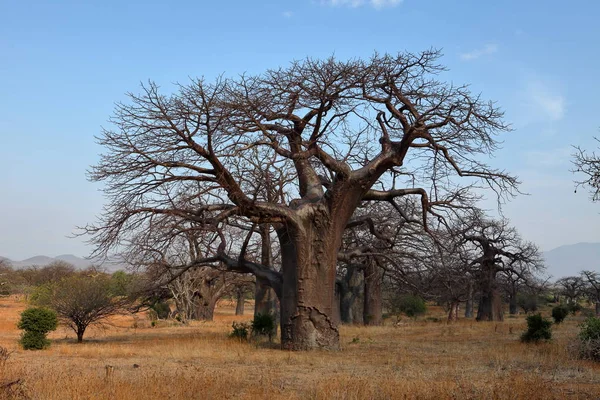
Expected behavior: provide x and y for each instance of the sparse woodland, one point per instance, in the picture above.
(342, 199)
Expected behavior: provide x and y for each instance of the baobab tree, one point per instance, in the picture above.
(571, 287)
(592, 287)
(496, 247)
(350, 131)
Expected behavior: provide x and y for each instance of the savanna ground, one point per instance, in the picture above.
(416, 359)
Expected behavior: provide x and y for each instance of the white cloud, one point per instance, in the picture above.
(545, 102)
(377, 4)
(287, 14)
(475, 54)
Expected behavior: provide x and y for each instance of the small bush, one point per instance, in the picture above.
(411, 306)
(538, 328)
(590, 329)
(36, 322)
(38, 319)
(263, 324)
(240, 330)
(34, 341)
(589, 339)
(559, 313)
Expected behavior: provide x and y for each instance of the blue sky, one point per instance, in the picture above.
(63, 65)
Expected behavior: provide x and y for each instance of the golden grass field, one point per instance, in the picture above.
(414, 360)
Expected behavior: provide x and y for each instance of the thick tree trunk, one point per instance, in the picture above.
(240, 302)
(453, 312)
(597, 308)
(309, 258)
(204, 309)
(469, 304)
(490, 303)
(80, 332)
(351, 290)
(373, 303)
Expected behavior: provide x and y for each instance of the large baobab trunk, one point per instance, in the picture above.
(373, 304)
(469, 304)
(309, 258)
(490, 303)
(453, 312)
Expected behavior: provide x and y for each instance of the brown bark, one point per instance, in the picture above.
(490, 303)
(204, 309)
(373, 303)
(80, 332)
(309, 258)
(597, 308)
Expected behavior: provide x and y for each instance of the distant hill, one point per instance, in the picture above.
(571, 259)
(77, 262)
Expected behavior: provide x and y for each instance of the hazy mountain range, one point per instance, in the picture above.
(77, 262)
(562, 261)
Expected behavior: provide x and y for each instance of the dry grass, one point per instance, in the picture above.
(424, 360)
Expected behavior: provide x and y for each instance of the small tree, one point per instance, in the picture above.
(36, 322)
(538, 328)
(82, 300)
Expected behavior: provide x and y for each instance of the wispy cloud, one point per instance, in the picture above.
(544, 101)
(377, 4)
(287, 14)
(488, 49)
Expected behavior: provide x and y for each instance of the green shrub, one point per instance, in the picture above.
(37, 319)
(240, 330)
(588, 339)
(263, 324)
(538, 328)
(411, 306)
(34, 340)
(590, 329)
(559, 313)
(36, 322)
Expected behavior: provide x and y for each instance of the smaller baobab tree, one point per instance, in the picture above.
(496, 247)
(571, 287)
(592, 287)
